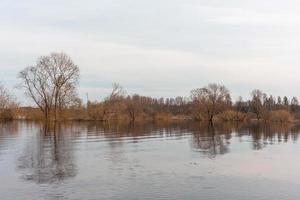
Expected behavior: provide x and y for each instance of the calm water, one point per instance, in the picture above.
(149, 161)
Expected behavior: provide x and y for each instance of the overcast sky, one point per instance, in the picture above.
(158, 47)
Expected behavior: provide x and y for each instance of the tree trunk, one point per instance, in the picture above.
(211, 119)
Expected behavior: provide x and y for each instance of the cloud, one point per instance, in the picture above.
(159, 48)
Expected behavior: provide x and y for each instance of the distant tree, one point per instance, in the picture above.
(51, 82)
(5, 98)
(285, 101)
(257, 103)
(271, 103)
(294, 105)
(117, 92)
(134, 106)
(212, 99)
(97, 111)
(265, 99)
(7, 103)
(279, 101)
(241, 105)
(115, 103)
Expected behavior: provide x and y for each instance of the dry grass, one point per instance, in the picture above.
(163, 117)
(231, 115)
(7, 114)
(282, 116)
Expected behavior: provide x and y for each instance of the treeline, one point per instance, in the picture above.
(119, 106)
(51, 83)
(268, 107)
(210, 103)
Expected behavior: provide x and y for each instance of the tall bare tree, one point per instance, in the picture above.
(212, 99)
(51, 82)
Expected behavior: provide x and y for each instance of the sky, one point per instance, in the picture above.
(159, 47)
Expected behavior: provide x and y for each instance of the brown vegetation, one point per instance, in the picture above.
(282, 116)
(210, 100)
(212, 103)
(8, 105)
(232, 115)
(51, 84)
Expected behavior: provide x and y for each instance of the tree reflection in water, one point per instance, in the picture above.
(214, 140)
(8, 130)
(208, 139)
(48, 155)
(211, 140)
(264, 134)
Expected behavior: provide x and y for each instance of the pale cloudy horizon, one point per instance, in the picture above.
(158, 48)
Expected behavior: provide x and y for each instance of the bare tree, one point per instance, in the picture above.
(116, 93)
(110, 107)
(4, 98)
(133, 106)
(38, 87)
(212, 99)
(97, 110)
(294, 104)
(7, 103)
(114, 103)
(256, 103)
(64, 76)
(51, 82)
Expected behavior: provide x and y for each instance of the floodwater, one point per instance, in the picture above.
(149, 161)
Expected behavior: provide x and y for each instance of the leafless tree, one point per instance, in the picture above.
(7, 103)
(51, 82)
(133, 106)
(256, 103)
(97, 111)
(4, 98)
(112, 105)
(294, 104)
(116, 93)
(212, 99)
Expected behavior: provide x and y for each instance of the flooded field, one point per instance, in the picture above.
(149, 161)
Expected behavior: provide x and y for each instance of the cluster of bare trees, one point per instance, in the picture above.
(209, 103)
(203, 104)
(51, 83)
(215, 100)
(264, 106)
(132, 107)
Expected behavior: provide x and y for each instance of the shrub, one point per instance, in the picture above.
(282, 116)
(231, 115)
(6, 114)
(162, 116)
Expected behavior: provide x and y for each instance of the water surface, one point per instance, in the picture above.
(149, 161)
